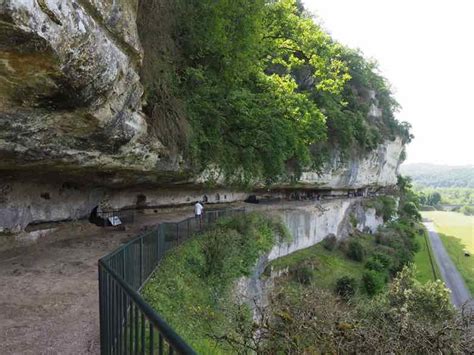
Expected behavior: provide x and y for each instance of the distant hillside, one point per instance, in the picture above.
(440, 175)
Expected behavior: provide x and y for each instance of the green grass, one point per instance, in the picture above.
(457, 233)
(465, 265)
(454, 224)
(422, 261)
(328, 266)
(395, 244)
(192, 288)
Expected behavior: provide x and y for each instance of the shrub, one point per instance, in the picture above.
(384, 259)
(385, 207)
(355, 250)
(411, 211)
(346, 287)
(353, 220)
(330, 242)
(375, 265)
(373, 282)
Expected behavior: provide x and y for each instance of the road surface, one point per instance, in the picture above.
(449, 273)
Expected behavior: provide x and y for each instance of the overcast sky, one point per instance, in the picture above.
(426, 50)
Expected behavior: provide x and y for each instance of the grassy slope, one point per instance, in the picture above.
(457, 233)
(424, 270)
(192, 287)
(328, 265)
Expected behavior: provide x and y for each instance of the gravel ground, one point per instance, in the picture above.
(48, 290)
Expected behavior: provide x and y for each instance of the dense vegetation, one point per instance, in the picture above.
(439, 185)
(445, 195)
(265, 90)
(192, 287)
(408, 317)
(338, 296)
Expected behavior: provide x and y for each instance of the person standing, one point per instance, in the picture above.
(198, 209)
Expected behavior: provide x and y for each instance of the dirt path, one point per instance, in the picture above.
(48, 291)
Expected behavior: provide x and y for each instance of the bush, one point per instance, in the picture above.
(384, 259)
(330, 242)
(346, 287)
(353, 220)
(411, 211)
(375, 265)
(355, 250)
(373, 282)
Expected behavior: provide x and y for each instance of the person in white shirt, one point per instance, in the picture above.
(198, 209)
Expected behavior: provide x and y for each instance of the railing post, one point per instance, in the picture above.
(177, 233)
(141, 261)
(102, 318)
(123, 264)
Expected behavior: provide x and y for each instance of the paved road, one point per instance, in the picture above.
(449, 273)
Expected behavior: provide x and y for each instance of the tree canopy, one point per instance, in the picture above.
(267, 91)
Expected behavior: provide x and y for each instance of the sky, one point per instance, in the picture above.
(425, 48)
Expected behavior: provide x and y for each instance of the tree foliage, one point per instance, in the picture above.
(408, 317)
(266, 89)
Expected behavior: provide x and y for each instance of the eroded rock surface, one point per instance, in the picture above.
(71, 94)
(309, 223)
(73, 134)
(377, 168)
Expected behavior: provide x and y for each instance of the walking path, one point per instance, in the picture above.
(453, 280)
(48, 291)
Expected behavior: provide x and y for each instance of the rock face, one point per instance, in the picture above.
(73, 134)
(378, 168)
(70, 90)
(22, 204)
(310, 222)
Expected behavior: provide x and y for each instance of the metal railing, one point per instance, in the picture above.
(128, 325)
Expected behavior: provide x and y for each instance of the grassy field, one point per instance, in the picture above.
(424, 268)
(457, 233)
(454, 224)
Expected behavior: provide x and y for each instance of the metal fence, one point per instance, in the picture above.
(128, 325)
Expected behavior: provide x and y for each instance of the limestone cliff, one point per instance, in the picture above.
(70, 97)
(378, 168)
(73, 132)
(308, 224)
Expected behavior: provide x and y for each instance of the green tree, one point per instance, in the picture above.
(267, 92)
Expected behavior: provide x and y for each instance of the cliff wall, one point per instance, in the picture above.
(73, 134)
(310, 222)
